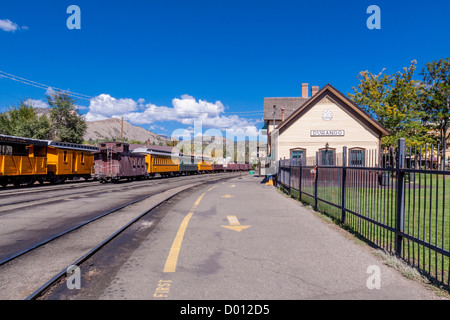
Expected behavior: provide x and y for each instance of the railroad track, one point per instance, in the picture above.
(92, 190)
(71, 185)
(14, 191)
(64, 242)
(23, 204)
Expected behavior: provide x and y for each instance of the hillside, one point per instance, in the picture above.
(110, 129)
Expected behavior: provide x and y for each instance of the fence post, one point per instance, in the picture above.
(316, 180)
(279, 176)
(344, 184)
(400, 212)
(444, 147)
(300, 180)
(290, 171)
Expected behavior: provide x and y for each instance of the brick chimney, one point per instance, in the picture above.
(305, 90)
(282, 114)
(314, 90)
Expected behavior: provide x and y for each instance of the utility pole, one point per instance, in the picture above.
(121, 132)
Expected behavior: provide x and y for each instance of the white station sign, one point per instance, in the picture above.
(327, 133)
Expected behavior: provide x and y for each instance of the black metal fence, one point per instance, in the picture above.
(398, 199)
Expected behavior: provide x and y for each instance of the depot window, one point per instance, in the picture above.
(327, 157)
(297, 155)
(357, 157)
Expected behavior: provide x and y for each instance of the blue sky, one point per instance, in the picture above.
(164, 64)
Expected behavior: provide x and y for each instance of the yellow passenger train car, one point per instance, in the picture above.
(22, 161)
(25, 161)
(66, 161)
(159, 162)
(205, 165)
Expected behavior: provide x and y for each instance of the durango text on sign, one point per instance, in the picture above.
(327, 133)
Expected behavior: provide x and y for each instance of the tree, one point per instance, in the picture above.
(23, 121)
(393, 100)
(68, 125)
(435, 98)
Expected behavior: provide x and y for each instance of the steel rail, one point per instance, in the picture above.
(139, 184)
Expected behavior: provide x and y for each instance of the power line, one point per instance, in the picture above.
(32, 83)
(42, 86)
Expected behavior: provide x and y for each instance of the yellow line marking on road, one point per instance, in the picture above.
(227, 196)
(234, 224)
(171, 262)
(163, 289)
(172, 259)
(232, 186)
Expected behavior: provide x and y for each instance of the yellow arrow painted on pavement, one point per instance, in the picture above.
(234, 224)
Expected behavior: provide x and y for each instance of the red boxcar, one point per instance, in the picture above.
(218, 168)
(114, 161)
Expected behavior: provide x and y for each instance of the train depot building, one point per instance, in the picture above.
(323, 123)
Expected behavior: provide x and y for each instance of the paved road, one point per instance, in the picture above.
(238, 239)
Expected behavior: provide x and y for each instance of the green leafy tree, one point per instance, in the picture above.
(393, 100)
(23, 121)
(68, 125)
(435, 98)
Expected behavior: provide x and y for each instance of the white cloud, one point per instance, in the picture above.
(50, 91)
(9, 26)
(186, 111)
(36, 103)
(104, 107)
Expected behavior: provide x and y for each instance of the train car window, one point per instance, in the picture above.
(40, 151)
(20, 150)
(65, 156)
(6, 150)
(82, 157)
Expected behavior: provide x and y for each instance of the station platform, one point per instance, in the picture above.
(241, 239)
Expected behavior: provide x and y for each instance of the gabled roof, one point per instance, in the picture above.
(337, 96)
(289, 105)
